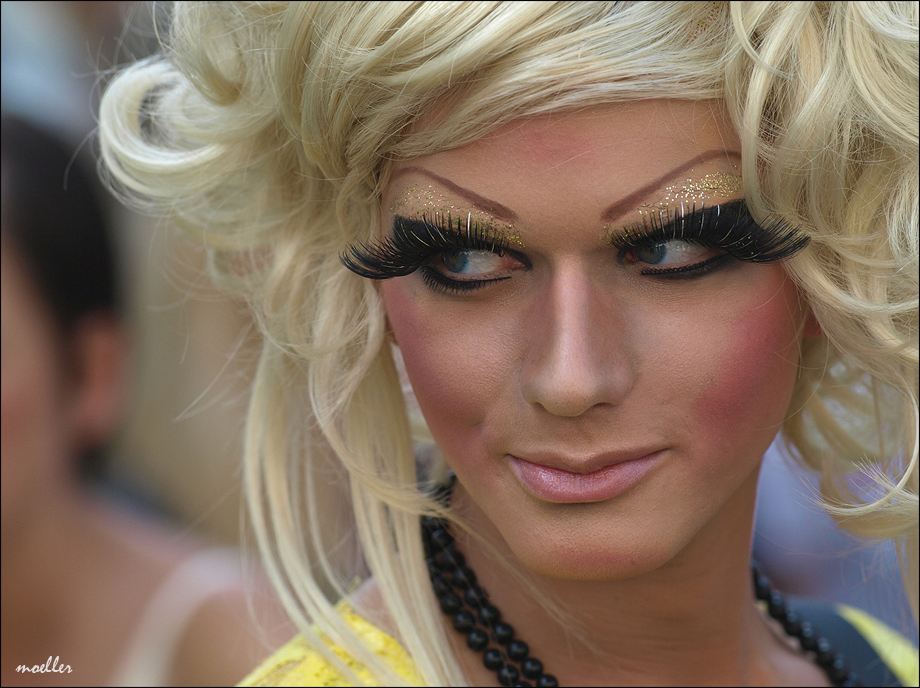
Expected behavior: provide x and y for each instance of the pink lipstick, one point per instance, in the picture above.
(553, 484)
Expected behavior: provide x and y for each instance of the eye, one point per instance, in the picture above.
(473, 264)
(673, 253)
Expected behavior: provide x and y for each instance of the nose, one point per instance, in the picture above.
(577, 356)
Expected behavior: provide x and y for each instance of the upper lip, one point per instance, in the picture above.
(588, 464)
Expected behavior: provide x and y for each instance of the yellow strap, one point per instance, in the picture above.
(299, 664)
(895, 650)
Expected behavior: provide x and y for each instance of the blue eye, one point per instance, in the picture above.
(653, 255)
(673, 252)
(472, 263)
(456, 261)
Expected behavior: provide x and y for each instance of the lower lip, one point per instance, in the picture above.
(564, 487)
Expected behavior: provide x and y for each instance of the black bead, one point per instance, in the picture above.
(455, 558)
(508, 675)
(523, 684)
(464, 577)
(792, 624)
(474, 597)
(503, 633)
(452, 580)
(448, 559)
(838, 672)
(464, 621)
(762, 589)
(443, 491)
(518, 651)
(489, 614)
(851, 680)
(825, 653)
(777, 606)
(440, 586)
(441, 538)
(437, 562)
(450, 603)
(808, 638)
(493, 659)
(477, 639)
(532, 667)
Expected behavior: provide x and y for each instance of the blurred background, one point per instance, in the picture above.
(166, 466)
(193, 346)
(124, 552)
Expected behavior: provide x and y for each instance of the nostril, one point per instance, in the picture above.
(570, 386)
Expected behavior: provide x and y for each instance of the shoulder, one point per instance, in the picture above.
(299, 663)
(202, 624)
(227, 635)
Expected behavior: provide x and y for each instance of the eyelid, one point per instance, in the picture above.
(728, 226)
(414, 241)
(466, 235)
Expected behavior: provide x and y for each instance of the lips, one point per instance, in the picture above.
(598, 479)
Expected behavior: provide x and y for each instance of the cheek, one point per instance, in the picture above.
(455, 372)
(753, 364)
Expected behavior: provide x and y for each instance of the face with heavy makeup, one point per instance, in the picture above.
(604, 401)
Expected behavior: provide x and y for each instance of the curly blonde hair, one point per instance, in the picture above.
(269, 129)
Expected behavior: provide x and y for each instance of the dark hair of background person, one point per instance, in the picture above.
(54, 217)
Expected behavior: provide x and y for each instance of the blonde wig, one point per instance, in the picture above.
(269, 129)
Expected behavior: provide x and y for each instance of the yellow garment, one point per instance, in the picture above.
(895, 650)
(298, 664)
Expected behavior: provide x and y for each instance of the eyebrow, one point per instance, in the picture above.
(619, 208)
(624, 205)
(497, 210)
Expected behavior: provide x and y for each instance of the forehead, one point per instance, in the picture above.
(555, 165)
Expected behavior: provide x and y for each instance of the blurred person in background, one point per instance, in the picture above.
(194, 348)
(118, 598)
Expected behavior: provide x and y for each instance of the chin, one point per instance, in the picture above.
(607, 554)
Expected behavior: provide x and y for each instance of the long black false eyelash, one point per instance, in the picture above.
(415, 241)
(728, 227)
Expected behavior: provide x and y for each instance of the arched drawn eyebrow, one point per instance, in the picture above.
(621, 207)
(624, 205)
(494, 208)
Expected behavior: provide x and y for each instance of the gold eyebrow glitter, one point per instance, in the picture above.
(430, 202)
(695, 191)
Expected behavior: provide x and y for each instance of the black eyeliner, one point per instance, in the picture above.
(413, 242)
(687, 272)
(728, 227)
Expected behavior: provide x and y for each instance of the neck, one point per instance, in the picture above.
(687, 622)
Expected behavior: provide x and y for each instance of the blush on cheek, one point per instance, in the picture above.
(754, 375)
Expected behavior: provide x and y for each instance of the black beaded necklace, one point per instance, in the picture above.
(467, 604)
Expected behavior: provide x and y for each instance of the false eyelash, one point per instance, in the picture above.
(415, 241)
(729, 227)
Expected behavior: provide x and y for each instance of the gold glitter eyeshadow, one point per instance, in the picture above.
(419, 202)
(695, 192)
